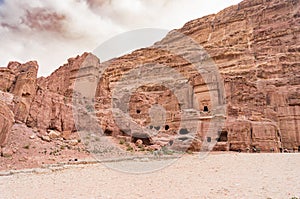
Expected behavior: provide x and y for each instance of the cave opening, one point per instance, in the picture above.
(183, 132)
(157, 128)
(223, 136)
(208, 139)
(25, 94)
(167, 127)
(138, 111)
(205, 109)
(108, 132)
(146, 140)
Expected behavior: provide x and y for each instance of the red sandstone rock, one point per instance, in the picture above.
(7, 78)
(6, 152)
(255, 46)
(54, 134)
(66, 135)
(24, 89)
(6, 122)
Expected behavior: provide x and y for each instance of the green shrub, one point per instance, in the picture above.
(122, 141)
(129, 148)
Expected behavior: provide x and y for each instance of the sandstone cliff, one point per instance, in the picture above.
(255, 46)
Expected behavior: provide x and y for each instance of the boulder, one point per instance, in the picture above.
(53, 134)
(6, 152)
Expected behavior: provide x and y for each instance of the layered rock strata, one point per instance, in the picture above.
(255, 48)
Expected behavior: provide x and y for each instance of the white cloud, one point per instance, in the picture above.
(51, 31)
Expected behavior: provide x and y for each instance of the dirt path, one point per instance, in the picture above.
(231, 175)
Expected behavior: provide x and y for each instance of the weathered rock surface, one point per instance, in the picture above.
(6, 122)
(43, 103)
(24, 88)
(255, 46)
(50, 110)
(52, 107)
(20, 80)
(7, 78)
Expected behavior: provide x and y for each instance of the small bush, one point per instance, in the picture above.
(189, 152)
(258, 150)
(129, 148)
(166, 151)
(141, 147)
(122, 141)
(150, 149)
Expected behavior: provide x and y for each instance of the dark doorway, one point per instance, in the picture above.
(205, 109)
(208, 139)
(146, 140)
(167, 127)
(183, 132)
(107, 132)
(223, 136)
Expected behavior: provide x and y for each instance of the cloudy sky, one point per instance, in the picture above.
(51, 31)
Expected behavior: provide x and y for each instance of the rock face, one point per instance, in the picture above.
(52, 106)
(254, 46)
(6, 122)
(24, 89)
(7, 78)
(20, 80)
(42, 103)
(50, 111)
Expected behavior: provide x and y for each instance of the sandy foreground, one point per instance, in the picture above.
(225, 175)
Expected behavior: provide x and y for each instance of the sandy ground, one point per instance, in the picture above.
(228, 175)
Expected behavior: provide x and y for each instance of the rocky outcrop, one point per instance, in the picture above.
(52, 107)
(24, 88)
(43, 103)
(255, 48)
(7, 78)
(6, 122)
(61, 81)
(20, 80)
(50, 110)
(255, 45)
